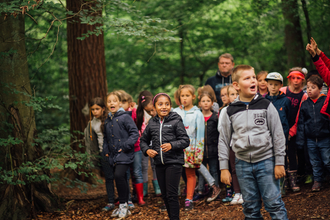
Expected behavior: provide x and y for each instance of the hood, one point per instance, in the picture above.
(119, 112)
(256, 99)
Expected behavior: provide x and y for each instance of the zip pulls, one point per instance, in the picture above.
(160, 139)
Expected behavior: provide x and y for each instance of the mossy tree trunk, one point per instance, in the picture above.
(18, 120)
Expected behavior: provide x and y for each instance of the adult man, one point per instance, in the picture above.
(223, 76)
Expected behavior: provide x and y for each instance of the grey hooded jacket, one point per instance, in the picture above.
(253, 131)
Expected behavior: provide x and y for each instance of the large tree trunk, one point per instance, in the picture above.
(18, 120)
(293, 37)
(86, 67)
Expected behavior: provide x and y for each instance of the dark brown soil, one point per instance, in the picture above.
(302, 205)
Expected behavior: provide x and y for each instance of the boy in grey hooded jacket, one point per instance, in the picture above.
(252, 127)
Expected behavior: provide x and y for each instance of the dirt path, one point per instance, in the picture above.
(302, 205)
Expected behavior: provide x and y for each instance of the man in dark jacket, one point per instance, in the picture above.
(223, 76)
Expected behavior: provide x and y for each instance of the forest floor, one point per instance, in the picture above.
(76, 205)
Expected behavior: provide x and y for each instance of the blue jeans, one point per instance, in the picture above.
(319, 153)
(257, 180)
(137, 172)
(214, 167)
(109, 177)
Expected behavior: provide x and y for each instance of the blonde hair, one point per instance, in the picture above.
(115, 93)
(238, 71)
(229, 87)
(190, 88)
(207, 89)
(225, 87)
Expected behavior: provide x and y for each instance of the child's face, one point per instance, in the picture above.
(262, 83)
(313, 91)
(274, 87)
(206, 103)
(113, 103)
(150, 109)
(224, 96)
(296, 82)
(232, 94)
(163, 106)
(125, 105)
(97, 111)
(186, 98)
(247, 84)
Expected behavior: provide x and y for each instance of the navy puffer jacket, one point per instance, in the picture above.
(170, 131)
(120, 132)
(283, 106)
(312, 123)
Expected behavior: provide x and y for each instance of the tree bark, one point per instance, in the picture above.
(293, 36)
(18, 120)
(86, 67)
(182, 62)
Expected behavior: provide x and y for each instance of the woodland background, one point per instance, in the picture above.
(56, 55)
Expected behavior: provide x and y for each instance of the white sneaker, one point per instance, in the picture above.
(240, 201)
(123, 213)
(115, 212)
(235, 199)
(131, 206)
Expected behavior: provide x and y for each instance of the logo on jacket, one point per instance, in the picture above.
(167, 125)
(186, 127)
(259, 118)
(281, 109)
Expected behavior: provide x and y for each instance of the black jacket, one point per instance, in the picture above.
(120, 132)
(312, 123)
(217, 82)
(211, 137)
(170, 131)
(283, 106)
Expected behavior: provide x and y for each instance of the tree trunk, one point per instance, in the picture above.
(183, 65)
(86, 67)
(18, 120)
(293, 36)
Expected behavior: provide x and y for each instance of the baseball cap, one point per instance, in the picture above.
(274, 76)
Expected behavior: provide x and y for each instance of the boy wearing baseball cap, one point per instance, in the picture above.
(281, 103)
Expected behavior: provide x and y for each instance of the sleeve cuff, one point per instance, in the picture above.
(316, 58)
(279, 160)
(224, 165)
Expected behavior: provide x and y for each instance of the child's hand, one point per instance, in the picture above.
(166, 147)
(226, 177)
(310, 49)
(151, 153)
(107, 155)
(279, 171)
(120, 150)
(289, 137)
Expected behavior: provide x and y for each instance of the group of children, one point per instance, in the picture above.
(248, 143)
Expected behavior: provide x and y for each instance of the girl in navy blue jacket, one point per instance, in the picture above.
(120, 135)
(169, 138)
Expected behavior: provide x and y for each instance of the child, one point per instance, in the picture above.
(296, 95)
(282, 105)
(279, 100)
(206, 100)
(194, 123)
(144, 111)
(224, 97)
(120, 135)
(94, 139)
(313, 127)
(262, 83)
(251, 126)
(208, 89)
(169, 139)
